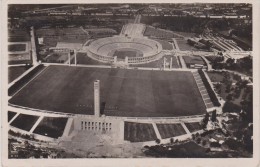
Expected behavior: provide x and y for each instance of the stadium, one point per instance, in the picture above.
(132, 104)
(138, 50)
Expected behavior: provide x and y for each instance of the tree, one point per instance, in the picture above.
(158, 141)
(193, 136)
(214, 116)
(198, 140)
(204, 142)
(171, 140)
(205, 121)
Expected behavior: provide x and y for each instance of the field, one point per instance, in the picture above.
(159, 33)
(15, 72)
(23, 81)
(193, 126)
(19, 59)
(121, 54)
(51, 127)
(11, 115)
(16, 47)
(184, 46)
(216, 76)
(165, 44)
(213, 58)
(56, 58)
(24, 122)
(175, 63)
(189, 60)
(139, 132)
(18, 35)
(130, 93)
(170, 130)
(82, 58)
(153, 64)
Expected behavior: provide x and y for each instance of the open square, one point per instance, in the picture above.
(124, 92)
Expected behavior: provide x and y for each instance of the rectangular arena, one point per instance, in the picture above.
(124, 92)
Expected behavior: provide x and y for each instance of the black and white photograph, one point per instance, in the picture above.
(137, 81)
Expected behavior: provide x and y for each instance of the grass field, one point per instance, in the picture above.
(121, 54)
(51, 127)
(16, 47)
(139, 132)
(18, 35)
(24, 80)
(170, 130)
(15, 72)
(184, 46)
(190, 60)
(216, 76)
(158, 33)
(193, 126)
(24, 122)
(153, 64)
(124, 92)
(165, 44)
(11, 115)
(82, 58)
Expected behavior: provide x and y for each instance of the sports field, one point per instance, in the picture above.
(121, 54)
(51, 126)
(16, 47)
(193, 126)
(139, 132)
(16, 71)
(170, 130)
(130, 93)
(24, 122)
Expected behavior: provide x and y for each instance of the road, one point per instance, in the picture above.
(34, 53)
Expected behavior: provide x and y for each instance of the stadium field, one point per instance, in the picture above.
(121, 54)
(170, 130)
(51, 127)
(16, 71)
(124, 92)
(193, 126)
(82, 58)
(184, 46)
(165, 44)
(139, 132)
(154, 64)
(25, 122)
(16, 47)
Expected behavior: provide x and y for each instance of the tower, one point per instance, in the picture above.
(97, 98)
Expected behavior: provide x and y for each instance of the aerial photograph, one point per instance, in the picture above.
(138, 80)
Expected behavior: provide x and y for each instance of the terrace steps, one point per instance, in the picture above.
(68, 128)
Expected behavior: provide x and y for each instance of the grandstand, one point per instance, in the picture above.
(221, 43)
(103, 49)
